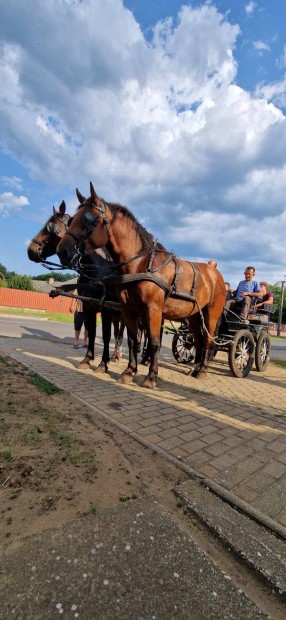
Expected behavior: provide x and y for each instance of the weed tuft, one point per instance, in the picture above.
(43, 385)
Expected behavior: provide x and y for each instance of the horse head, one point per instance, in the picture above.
(87, 230)
(45, 243)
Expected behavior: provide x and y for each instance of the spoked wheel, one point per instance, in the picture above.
(262, 352)
(183, 348)
(241, 353)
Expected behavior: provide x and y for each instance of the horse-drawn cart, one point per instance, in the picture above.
(245, 344)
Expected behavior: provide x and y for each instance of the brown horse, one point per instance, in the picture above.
(153, 284)
(44, 245)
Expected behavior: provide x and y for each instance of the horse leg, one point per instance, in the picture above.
(146, 352)
(89, 315)
(139, 335)
(115, 321)
(118, 346)
(207, 339)
(132, 329)
(119, 327)
(154, 322)
(196, 330)
(106, 316)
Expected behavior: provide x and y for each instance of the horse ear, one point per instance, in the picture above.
(62, 207)
(54, 211)
(81, 198)
(94, 195)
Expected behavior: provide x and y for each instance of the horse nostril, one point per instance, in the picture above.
(63, 255)
(33, 256)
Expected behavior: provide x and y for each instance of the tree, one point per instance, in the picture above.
(276, 290)
(20, 282)
(4, 271)
(58, 276)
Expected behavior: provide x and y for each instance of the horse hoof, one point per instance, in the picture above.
(125, 379)
(149, 383)
(84, 365)
(115, 357)
(101, 368)
(199, 374)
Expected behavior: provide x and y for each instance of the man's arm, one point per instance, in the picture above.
(253, 294)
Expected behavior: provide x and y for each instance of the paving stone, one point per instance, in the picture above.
(281, 457)
(272, 502)
(249, 465)
(169, 432)
(197, 459)
(208, 471)
(230, 477)
(148, 430)
(277, 446)
(168, 424)
(171, 443)
(232, 441)
(212, 438)
(242, 451)
(223, 462)
(260, 481)
(275, 469)
(190, 435)
(217, 449)
(245, 493)
(153, 438)
(194, 446)
(281, 518)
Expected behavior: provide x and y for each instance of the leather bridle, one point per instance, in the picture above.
(53, 230)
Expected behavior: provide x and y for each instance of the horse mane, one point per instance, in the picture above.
(146, 238)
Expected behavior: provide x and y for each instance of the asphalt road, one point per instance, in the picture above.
(20, 326)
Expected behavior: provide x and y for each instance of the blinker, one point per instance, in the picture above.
(89, 221)
(51, 227)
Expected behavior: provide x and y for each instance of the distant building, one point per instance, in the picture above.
(46, 286)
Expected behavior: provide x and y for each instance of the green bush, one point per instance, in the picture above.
(3, 284)
(23, 283)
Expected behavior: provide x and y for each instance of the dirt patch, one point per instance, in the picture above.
(58, 460)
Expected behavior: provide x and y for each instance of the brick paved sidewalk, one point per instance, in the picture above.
(231, 431)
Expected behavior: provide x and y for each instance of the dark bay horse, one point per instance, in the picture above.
(44, 245)
(152, 282)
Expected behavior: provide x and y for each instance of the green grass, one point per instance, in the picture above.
(7, 455)
(66, 318)
(50, 316)
(280, 363)
(278, 337)
(43, 385)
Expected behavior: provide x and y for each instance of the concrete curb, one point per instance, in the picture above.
(248, 540)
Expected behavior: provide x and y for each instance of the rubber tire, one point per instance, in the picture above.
(245, 338)
(183, 352)
(262, 358)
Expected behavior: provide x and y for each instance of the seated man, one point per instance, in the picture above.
(268, 297)
(246, 289)
(228, 294)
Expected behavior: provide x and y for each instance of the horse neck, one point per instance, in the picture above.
(124, 242)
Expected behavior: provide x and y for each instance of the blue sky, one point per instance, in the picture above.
(176, 110)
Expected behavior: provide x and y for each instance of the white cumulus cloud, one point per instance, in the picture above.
(160, 125)
(10, 202)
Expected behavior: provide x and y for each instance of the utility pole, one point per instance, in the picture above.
(283, 283)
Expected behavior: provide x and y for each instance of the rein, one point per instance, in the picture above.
(56, 267)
